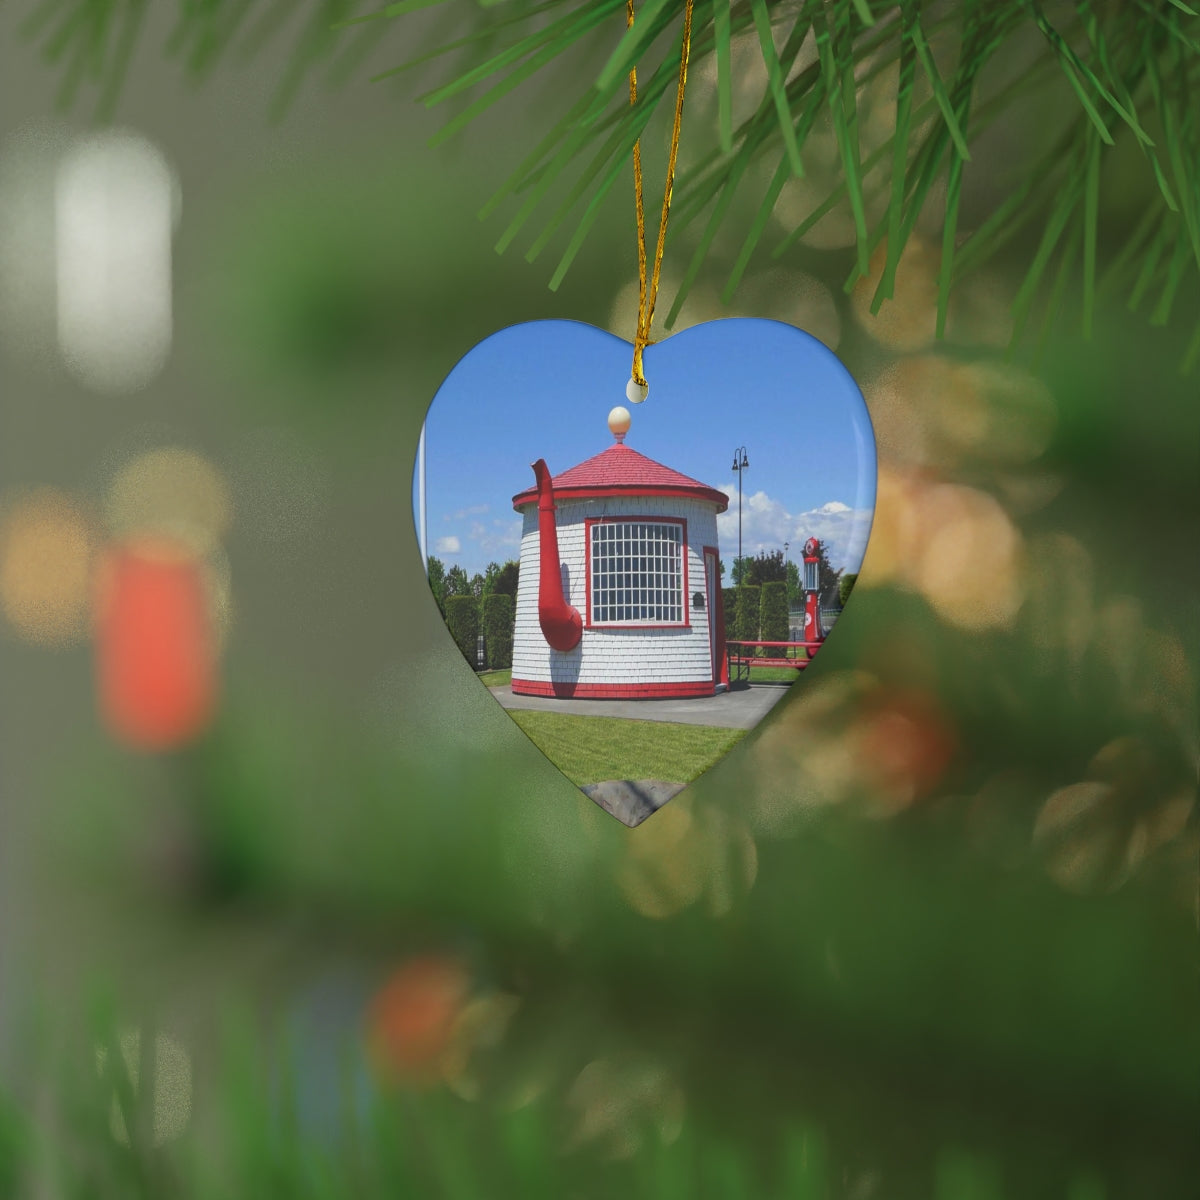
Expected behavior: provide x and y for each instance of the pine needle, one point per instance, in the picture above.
(1091, 209)
(1175, 269)
(762, 23)
(921, 46)
(561, 34)
(721, 36)
(904, 123)
(770, 197)
(1059, 216)
(401, 9)
(1070, 64)
(835, 89)
(513, 80)
(635, 39)
(1149, 268)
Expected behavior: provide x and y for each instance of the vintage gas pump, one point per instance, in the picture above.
(813, 630)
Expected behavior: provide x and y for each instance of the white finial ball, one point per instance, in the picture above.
(636, 392)
(619, 421)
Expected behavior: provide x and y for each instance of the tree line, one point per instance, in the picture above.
(497, 579)
(482, 603)
(768, 566)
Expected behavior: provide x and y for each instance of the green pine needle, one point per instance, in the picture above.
(721, 37)
(1091, 209)
(762, 22)
(921, 46)
(635, 39)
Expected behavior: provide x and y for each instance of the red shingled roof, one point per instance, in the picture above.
(622, 471)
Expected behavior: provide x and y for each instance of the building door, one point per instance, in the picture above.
(712, 580)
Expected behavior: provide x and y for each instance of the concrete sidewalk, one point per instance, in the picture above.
(739, 709)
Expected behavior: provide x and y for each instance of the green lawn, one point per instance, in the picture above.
(496, 678)
(774, 674)
(593, 749)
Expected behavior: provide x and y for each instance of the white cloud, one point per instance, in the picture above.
(473, 510)
(447, 545)
(501, 537)
(766, 525)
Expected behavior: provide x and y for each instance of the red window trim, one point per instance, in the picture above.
(620, 519)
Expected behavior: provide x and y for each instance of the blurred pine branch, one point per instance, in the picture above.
(1120, 73)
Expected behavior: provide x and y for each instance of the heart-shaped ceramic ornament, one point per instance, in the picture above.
(639, 590)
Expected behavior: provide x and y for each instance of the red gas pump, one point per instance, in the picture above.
(814, 631)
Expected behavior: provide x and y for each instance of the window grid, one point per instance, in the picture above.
(637, 573)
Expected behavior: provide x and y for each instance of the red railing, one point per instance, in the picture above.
(740, 661)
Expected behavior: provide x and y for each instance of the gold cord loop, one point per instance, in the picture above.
(648, 294)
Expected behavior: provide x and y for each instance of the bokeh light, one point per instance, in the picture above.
(412, 1019)
(968, 562)
(931, 410)
(796, 297)
(851, 739)
(155, 644)
(480, 1025)
(954, 545)
(1092, 835)
(907, 321)
(115, 205)
(617, 1102)
(172, 492)
(702, 304)
(46, 551)
(684, 853)
(172, 1075)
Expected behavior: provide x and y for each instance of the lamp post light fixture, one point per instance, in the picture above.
(740, 463)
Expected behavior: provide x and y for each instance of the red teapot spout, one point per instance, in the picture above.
(562, 626)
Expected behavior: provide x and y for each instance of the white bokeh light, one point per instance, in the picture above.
(115, 207)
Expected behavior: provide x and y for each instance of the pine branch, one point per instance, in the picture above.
(1117, 71)
(1107, 85)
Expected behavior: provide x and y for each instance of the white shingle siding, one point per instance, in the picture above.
(613, 655)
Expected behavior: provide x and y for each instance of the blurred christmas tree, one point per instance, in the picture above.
(932, 932)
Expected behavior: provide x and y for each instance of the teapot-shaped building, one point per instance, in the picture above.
(620, 584)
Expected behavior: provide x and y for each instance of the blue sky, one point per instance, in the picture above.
(545, 389)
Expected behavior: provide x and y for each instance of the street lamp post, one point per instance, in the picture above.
(740, 463)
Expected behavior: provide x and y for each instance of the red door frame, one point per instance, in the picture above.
(716, 618)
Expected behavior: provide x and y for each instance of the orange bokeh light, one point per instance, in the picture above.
(46, 546)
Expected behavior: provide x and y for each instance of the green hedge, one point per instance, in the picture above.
(747, 612)
(773, 613)
(845, 587)
(462, 619)
(729, 605)
(498, 630)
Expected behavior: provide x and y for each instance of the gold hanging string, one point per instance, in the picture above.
(648, 295)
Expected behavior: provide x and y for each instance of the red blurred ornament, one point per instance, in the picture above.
(906, 742)
(412, 1019)
(155, 645)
